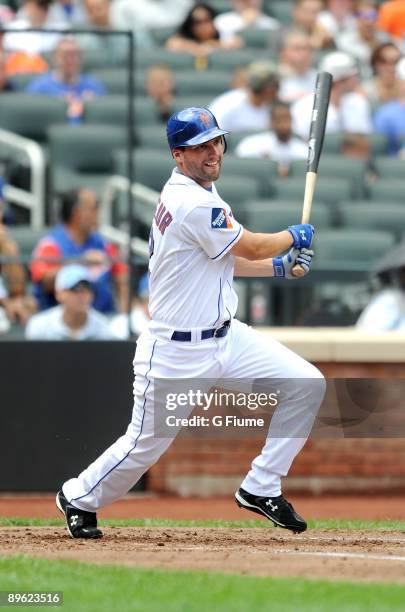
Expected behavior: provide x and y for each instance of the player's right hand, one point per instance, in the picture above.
(302, 235)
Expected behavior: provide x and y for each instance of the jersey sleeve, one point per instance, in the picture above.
(213, 228)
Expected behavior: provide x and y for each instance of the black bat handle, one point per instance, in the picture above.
(318, 119)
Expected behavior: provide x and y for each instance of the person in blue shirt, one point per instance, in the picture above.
(77, 240)
(389, 119)
(66, 80)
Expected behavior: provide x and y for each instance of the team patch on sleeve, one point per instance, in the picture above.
(220, 219)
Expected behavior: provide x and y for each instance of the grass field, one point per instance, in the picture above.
(319, 524)
(104, 588)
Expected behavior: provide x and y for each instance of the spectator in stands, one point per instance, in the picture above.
(77, 238)
(98, 14)
(70, 11)
(386, 310)
(143, 15)
(159, 85)
(248, 108)
(338, 16)
(33, 14)
(73, 318)
(349, 109)
(383, 86)
(198, 34)
(278, 144)
(390, 117)
(139, 316)
(15, 305)
(361, 41)
(391, 19)
(305, 16)
(245, 14)
(66, 80)
(297, 74)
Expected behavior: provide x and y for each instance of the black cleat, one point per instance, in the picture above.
(79, 523)
(276, 509)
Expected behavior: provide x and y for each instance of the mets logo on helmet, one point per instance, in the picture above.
(204, 118)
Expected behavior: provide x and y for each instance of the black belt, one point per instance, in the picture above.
(215, 332)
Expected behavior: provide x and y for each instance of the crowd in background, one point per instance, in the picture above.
(360, 42)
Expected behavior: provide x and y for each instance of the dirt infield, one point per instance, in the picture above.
(332, 554)
(368, 508)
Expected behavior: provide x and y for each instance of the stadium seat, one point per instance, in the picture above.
(350, 249)
(390, 217)
(263, 170)
(257, 39)
(238, 191)
(159, 55)
(273, 216)
(208, 82)
(115, 80)
(337, 166)
(281, 10)
(82, 155)
(230, 60)
(160, 35)
(151, 168)
(113, 110)
(389, 190)
(26, 238)
(333, 143)
(235, 138)
(30, 115)
(152, 137)
(328, 190)
(389, 167)
(180, 102)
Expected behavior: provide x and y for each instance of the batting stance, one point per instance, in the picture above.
(196, 248)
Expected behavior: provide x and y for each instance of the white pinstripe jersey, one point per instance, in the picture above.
(191, 269)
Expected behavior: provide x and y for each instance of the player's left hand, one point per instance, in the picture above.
(284, 265)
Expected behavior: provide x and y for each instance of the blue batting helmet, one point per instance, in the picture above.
(192, 126)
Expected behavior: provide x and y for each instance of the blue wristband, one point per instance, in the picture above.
(278, 266)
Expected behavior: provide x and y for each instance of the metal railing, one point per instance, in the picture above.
(33, 200)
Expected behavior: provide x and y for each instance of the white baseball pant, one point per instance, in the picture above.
(243, 354)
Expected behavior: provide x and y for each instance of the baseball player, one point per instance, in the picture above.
(196, 248)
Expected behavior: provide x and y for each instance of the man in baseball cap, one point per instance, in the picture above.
(349, 110)
(73, 318)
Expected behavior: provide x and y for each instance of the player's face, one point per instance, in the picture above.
(203, 162)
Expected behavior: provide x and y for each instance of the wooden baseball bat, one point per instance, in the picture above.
(316, 136)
